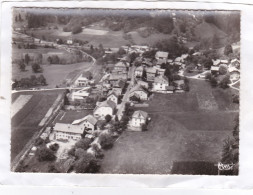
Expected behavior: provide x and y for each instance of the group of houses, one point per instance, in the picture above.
(232, 67)
(155, 79)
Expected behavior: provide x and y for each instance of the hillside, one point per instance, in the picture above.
(207, 31)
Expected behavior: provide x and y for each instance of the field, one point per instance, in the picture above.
(180, 131)
(25, 122)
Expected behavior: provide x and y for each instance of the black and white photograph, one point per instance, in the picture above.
(125, 91)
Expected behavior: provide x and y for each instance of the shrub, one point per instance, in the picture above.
(76, 29)
(38, 141)
(45, 154)
(108, 118)
(54, 147)
(85, 164)
(106, 141)
(224, 82)
(222, 70)
(83, 143)
(208, 76)
(72, 151)
(213, 82)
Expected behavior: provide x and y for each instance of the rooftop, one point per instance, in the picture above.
(139, 114)
(68, 128)
(91, 119)
(162, 54)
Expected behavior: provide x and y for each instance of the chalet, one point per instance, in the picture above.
(120, 66)
(113, 97)
(138, 91)
(160, 83)
(161, 57)
(214, 69)
(67, 131)
(88, 122)
(151, 73)
(105, 108)
(139, 118)
(138, 71)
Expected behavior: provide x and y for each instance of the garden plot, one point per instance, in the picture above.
(19, 104)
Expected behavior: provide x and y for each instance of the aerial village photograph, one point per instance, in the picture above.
(114, 91)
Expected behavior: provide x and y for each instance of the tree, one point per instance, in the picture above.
(228, 49)
(106, 141)
(54, 147)
(76, 29)
(19, 17)
(225, 81)
(213, 82)
(83, 163)
(45, 154)
(108, 118)
(36, 68)
(42, 80)
(144, 127)
(208, 76)
(144, 75)
(21, 65)
(236, 98)
(83, 143)
(27, 58)
(222, 69)
(121, 51)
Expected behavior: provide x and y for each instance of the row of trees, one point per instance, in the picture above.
(33, 81)
(223, 83)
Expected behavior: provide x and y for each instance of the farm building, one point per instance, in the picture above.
(67, 131)
(88, 122)
(80, 94)
(120, 66)
(84, 80)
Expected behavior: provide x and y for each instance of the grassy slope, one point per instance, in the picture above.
(179, 131)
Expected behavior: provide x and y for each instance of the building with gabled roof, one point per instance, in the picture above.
(160, 83)
(138, 91)
(138, 71)
(121, 66)
(67, 131)
(161, 57)
(138, 119)
(112, 96)
(151, 73)
(105, 108)
(88, 122)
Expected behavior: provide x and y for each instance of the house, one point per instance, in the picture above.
(170, 89)
(80, 94)
(138, 71)
(116, 90)
(143, 84)
(88, 122)
(214, 69)
(161, 57)
(178, 84)
(114, 78)
(224, 62)
(147, 62)
(119, 84)
(139, 92)
(113, 97)
(104, 108)
(151, 73)
(69, 41)
(67, 131)
(120, 66)
(160, 83)
(170, 61)
(84, 79)
(139, 118)
(160, 71)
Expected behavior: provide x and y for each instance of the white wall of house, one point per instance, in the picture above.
(66, 135)
(88, 125)
(138, 73)
(103, 111)
(137, 122)
(160, 86)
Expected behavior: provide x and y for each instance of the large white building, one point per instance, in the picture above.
(139, 118)
(88, 122)
(160, 83)
(67, 131)
(104, 108)
(161, 57)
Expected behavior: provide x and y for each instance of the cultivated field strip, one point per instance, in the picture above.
(19, 104)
